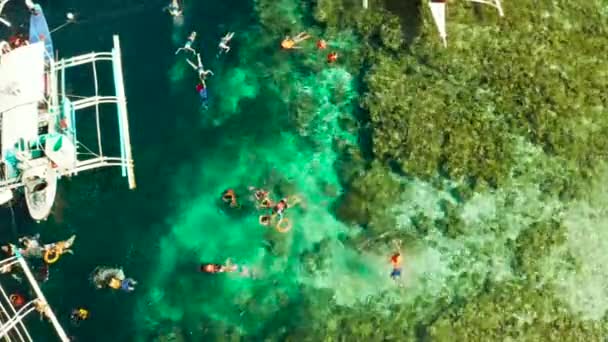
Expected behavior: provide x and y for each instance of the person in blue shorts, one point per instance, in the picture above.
(188, 45)
(396, 262)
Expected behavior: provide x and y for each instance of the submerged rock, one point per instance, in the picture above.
(352, 208)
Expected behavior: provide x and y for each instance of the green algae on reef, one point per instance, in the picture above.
(483, 158)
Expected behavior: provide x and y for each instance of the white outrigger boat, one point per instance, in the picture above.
(39, 144)
(39, 119)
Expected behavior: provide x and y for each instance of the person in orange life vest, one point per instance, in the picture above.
(332, 57)
(396, 262)
(289, 43)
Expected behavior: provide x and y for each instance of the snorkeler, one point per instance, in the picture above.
(79, 315)
(280, 207)
(174, 9)
(289, 43)
(321, 44)
(126, 285)
(113, 278)
(188, 45)
(31, 246)
(261, 197)
(264, 220)
(53, 251)
(212, 268)
(332, 57)
(202, 73)
(223, 45)
(229, 196)
(229, 267)
(396, 261)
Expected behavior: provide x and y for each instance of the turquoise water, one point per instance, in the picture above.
(274, 121)
(291, 123)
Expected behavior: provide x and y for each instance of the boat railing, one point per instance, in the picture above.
(70, 104)
(12, 326)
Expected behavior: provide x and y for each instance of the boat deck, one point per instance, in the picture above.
(22, 88)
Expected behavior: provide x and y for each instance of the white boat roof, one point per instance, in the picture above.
(22, 76)
(21, 88)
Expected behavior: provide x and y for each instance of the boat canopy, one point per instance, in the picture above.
(21, 89)
(39, 31)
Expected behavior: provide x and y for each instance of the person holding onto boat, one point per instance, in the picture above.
(202, 73)
(188, 45)
(290, 43)
(174, 9)
(223, 45)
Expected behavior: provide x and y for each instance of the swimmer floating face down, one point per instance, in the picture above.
(174, 9)
(223, 45)
(290, 43)
(188, 45)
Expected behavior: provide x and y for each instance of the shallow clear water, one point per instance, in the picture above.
(280, 121)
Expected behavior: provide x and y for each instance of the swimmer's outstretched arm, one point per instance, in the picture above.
(227, 37)
(192, 64)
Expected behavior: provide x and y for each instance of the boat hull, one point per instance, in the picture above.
(40, 190)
